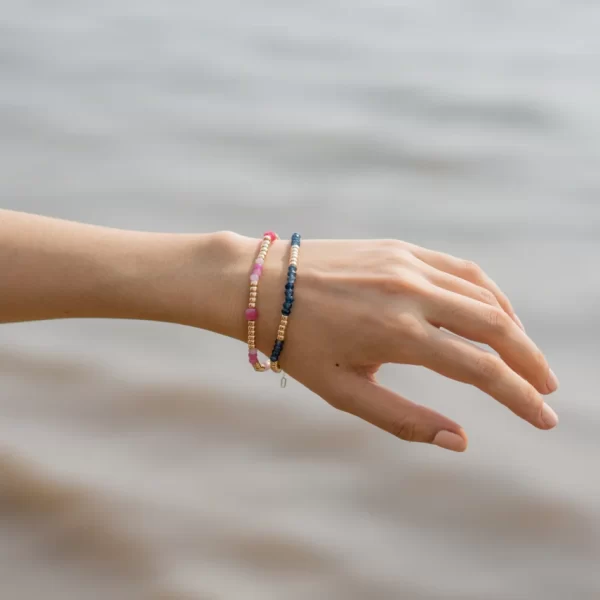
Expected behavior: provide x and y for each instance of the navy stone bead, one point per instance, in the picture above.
(286, 310)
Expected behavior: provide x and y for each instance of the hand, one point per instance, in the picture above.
(360, 304)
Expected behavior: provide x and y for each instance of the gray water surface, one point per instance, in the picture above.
(142, 460)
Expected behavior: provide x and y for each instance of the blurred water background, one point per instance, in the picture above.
(143, 460)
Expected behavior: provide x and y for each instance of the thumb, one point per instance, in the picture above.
(395, 414)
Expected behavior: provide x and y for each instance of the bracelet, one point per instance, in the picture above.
(251, 312)
(286, 311)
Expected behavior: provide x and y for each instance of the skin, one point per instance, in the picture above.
(359, 304)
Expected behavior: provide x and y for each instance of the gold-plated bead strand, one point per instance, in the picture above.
(252, 312)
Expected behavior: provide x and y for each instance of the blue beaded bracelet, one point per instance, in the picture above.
(288, 303)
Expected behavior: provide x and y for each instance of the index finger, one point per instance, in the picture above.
(469, 271)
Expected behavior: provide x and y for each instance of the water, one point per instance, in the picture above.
(143, 460)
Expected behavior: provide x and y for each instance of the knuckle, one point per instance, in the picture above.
(486, 296)
(488, 366)
(497, 319)
(394, 251)
(407, 283)
(472, 270)
(411, 328)
(404, 428)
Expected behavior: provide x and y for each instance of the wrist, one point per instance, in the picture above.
(203, 281)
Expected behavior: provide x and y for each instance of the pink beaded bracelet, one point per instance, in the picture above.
(252, 312)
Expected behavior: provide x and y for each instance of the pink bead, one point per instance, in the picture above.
(254, 276)
(272, 236)
(259, 261)
(251, 314)
(251, 358)
(257, 269)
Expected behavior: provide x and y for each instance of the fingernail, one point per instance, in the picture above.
(552, 382)
(450, 441)
(519, 322)
(549, 416)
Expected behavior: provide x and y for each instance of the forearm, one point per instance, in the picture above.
(360, 304)
(51, 269)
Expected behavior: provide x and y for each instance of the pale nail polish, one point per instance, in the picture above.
(552, 382)
(549, 417)
(450, 441)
